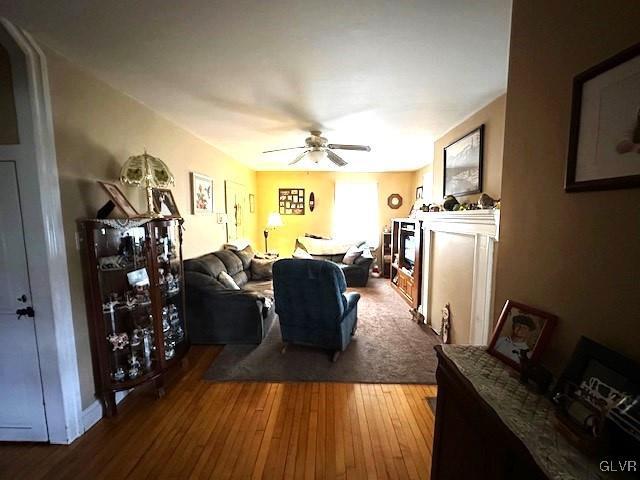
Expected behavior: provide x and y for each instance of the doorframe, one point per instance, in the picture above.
(43, 227)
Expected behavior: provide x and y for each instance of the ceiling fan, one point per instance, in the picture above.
(317, 143)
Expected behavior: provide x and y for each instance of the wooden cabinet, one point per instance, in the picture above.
(406, 259)
(135, 302)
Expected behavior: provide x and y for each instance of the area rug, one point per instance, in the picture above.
(388, 348)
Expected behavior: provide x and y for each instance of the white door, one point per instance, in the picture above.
(22, 416)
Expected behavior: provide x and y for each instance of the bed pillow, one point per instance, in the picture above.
(227, 280)
(302, 254)
(352, 254)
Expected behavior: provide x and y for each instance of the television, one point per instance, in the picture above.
(409, 249)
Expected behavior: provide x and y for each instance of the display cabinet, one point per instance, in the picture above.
(135, 302)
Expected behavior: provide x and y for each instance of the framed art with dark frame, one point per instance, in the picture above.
(164, 203)
(521, 328)
(463, 164)
(119, 199)
(604, 136)
(419, 193)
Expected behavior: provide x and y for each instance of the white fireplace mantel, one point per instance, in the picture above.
(484, 226)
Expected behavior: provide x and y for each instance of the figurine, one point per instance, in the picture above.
(118, 340)
(119, 375)
(486, 202)
(450, 202)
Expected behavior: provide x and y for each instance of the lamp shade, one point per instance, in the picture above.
(146, 171)
(275, 220)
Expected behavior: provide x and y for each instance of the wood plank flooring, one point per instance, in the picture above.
(245, 430)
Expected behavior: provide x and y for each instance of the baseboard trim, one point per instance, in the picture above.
(93, 413)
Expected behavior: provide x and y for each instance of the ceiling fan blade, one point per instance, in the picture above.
(338, 146)
(281, 149)
(299, 157)
(335, 158)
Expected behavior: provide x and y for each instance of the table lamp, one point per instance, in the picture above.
(147, 172)
(274, 221)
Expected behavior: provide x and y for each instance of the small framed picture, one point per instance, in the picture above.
(119, 199)
(419, 193)
(521, 330)
(201, 194)
(252, 203)
(164, 203)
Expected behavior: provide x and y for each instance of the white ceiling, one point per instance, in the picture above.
(253, 75)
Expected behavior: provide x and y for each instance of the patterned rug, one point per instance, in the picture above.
(388, 348)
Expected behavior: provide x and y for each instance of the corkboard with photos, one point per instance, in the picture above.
(291, 201)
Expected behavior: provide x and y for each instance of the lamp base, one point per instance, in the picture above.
(266, 235)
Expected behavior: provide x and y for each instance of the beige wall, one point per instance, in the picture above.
(322, 184)
(576, 255)
(418, 181)
(451, 282)
(96, 129)
(8, 120)
(492, 116)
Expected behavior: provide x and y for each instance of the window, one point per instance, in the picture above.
(355, 214)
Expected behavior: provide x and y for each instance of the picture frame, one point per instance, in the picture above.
(252, 203)
(119, 199)
(530, 329)
(419, 191)
(463, 164)
(604, 133)
(202, 199)
(164, 203)
(598, 379)
(291, 201)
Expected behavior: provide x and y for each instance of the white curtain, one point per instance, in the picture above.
(355, 213)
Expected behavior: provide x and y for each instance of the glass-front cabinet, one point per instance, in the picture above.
(135, 292)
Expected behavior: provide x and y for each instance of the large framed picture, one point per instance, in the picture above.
(119, 199)
(291, 201)
(604, 138)
(463, 164)
(201, 194)
(521, 330)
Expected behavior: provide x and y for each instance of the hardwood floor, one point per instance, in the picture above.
(245, 430)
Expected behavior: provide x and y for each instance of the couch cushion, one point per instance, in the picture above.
(352, 254)
(208, 264)
(261, 268)
(201, 280)
(231, 261)
(317, 246)
(241, 278)
(245, 255)
(300, 253)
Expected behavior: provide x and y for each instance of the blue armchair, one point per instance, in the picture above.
(312, 305)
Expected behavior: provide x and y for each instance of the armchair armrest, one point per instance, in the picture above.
(352, 299)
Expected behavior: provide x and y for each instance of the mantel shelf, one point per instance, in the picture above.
(482, 222)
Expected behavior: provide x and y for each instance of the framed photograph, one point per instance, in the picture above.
(598, 390)
(419, 193)
(291, 201)
(201, 194)
(119, 199)
(521, 327)
(164, 203)
(604, 138)
(463, 164)
(252, 203)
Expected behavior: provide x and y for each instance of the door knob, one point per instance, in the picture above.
(27, 311)
(22, 298)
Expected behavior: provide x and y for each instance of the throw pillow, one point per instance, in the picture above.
(301, 254)
(351, 255)
(227, 280)
(261, 269)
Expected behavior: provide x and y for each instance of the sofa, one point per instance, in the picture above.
(217, 314)
(312, 306)
(357, 273)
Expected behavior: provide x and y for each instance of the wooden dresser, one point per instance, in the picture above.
(489, 426)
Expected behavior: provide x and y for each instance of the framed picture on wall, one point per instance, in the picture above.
(463, 164)
(119, 199)
(201, 194)
(252, 203)
(604, 137)
(419, 193)
(291, 201)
